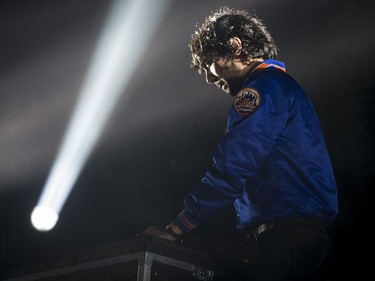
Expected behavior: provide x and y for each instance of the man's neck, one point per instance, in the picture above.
(248, 69)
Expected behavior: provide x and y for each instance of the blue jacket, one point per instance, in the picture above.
(272, 162)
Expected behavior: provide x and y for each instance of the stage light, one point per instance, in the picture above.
(44, 218)
(124, 39)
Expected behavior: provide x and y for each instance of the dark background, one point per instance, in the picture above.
(159, 139)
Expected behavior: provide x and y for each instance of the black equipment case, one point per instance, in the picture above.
(141, 259)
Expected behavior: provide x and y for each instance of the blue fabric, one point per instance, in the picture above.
(270, 164)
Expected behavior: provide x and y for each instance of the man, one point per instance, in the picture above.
(272, 165)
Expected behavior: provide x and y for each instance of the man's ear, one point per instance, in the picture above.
(237, 45)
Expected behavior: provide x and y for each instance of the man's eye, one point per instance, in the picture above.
(208, 64)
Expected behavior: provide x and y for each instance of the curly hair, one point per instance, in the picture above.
(212, 39)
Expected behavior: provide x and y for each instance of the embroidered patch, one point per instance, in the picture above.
(247, 101)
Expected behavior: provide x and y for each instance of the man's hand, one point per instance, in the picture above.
(160, 232)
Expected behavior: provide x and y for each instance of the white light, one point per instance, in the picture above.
(43, 218)
(125, 37)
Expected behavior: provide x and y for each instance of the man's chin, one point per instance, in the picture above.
(226, 89)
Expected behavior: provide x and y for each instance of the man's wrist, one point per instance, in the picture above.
(173, 230)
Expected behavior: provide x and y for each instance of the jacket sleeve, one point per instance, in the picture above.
(239, 155)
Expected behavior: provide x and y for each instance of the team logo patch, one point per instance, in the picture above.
(247, 101)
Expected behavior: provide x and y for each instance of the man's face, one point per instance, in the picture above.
(225, 75)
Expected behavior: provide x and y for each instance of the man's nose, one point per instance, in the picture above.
(210, 78)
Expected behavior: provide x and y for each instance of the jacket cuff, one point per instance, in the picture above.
(186, 221)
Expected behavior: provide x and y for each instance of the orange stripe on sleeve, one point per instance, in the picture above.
(186, 222)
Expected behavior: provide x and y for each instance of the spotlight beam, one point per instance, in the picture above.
(122, 43)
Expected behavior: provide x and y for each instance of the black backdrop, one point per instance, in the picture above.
(160, 138)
